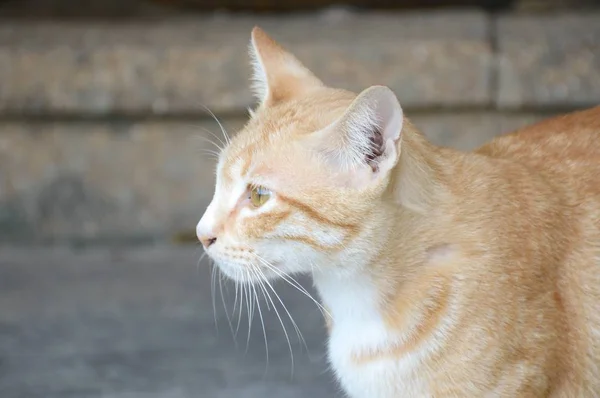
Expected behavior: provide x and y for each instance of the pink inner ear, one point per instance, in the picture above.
(376, 150)
(358, 139)
(375, 119)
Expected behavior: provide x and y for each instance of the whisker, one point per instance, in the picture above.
(199, 261)
(213, 282)
(263, 326)
(295, 325)
(223, 144)
(225, 135)
(267, 303)
(294, 283)
(209, 152)
(242, 291)
(225, 308)
(236, 285)
(261, 280)
(288, 278)
(250, 315)
(206, 139)
(196, 127)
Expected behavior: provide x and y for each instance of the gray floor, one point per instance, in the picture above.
(140, 323)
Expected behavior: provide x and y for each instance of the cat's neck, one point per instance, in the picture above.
(357, 297)
(421, 177)
(348, 295)
(353, 301)
(378, 304)
(355, 291)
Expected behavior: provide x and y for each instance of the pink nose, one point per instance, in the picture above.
(207, 240)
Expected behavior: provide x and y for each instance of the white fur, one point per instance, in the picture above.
(259, 85)
(358, 329)
(224, 200)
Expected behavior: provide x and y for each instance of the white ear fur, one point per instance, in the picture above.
(276, 73)
(259, 84)
(366, 136)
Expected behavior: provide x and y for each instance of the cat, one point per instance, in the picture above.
(444, 273)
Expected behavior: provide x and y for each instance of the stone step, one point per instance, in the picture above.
(172, 66)
(548, 60)
(98, 181)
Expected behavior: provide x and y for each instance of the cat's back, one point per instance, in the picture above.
(566, 148)
(565, 151)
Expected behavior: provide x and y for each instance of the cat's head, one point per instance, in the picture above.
(303, 183)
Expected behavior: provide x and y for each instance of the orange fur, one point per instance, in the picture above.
(485, 265)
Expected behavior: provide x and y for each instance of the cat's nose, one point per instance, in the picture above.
(206, 228)
(207, 240)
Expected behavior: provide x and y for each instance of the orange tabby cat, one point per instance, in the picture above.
(445, 274)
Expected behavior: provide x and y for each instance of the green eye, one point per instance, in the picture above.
(259, 195)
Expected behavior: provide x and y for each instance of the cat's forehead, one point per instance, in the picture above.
(275, 159)
(262, 154)
(272, 142)
(269, 136)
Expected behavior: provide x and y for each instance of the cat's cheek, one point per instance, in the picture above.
(300, 259)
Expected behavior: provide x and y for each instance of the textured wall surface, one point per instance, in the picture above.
(103, 131)
(172, 67)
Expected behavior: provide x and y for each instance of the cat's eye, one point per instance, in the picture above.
(259, 195)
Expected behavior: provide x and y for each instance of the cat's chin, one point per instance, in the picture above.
(242, 273)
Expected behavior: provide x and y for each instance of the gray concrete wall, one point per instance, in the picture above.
(102, 125)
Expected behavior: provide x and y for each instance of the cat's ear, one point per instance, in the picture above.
(364, 140)
(277, 74)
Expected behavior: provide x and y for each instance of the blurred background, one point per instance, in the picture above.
(104, 173)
